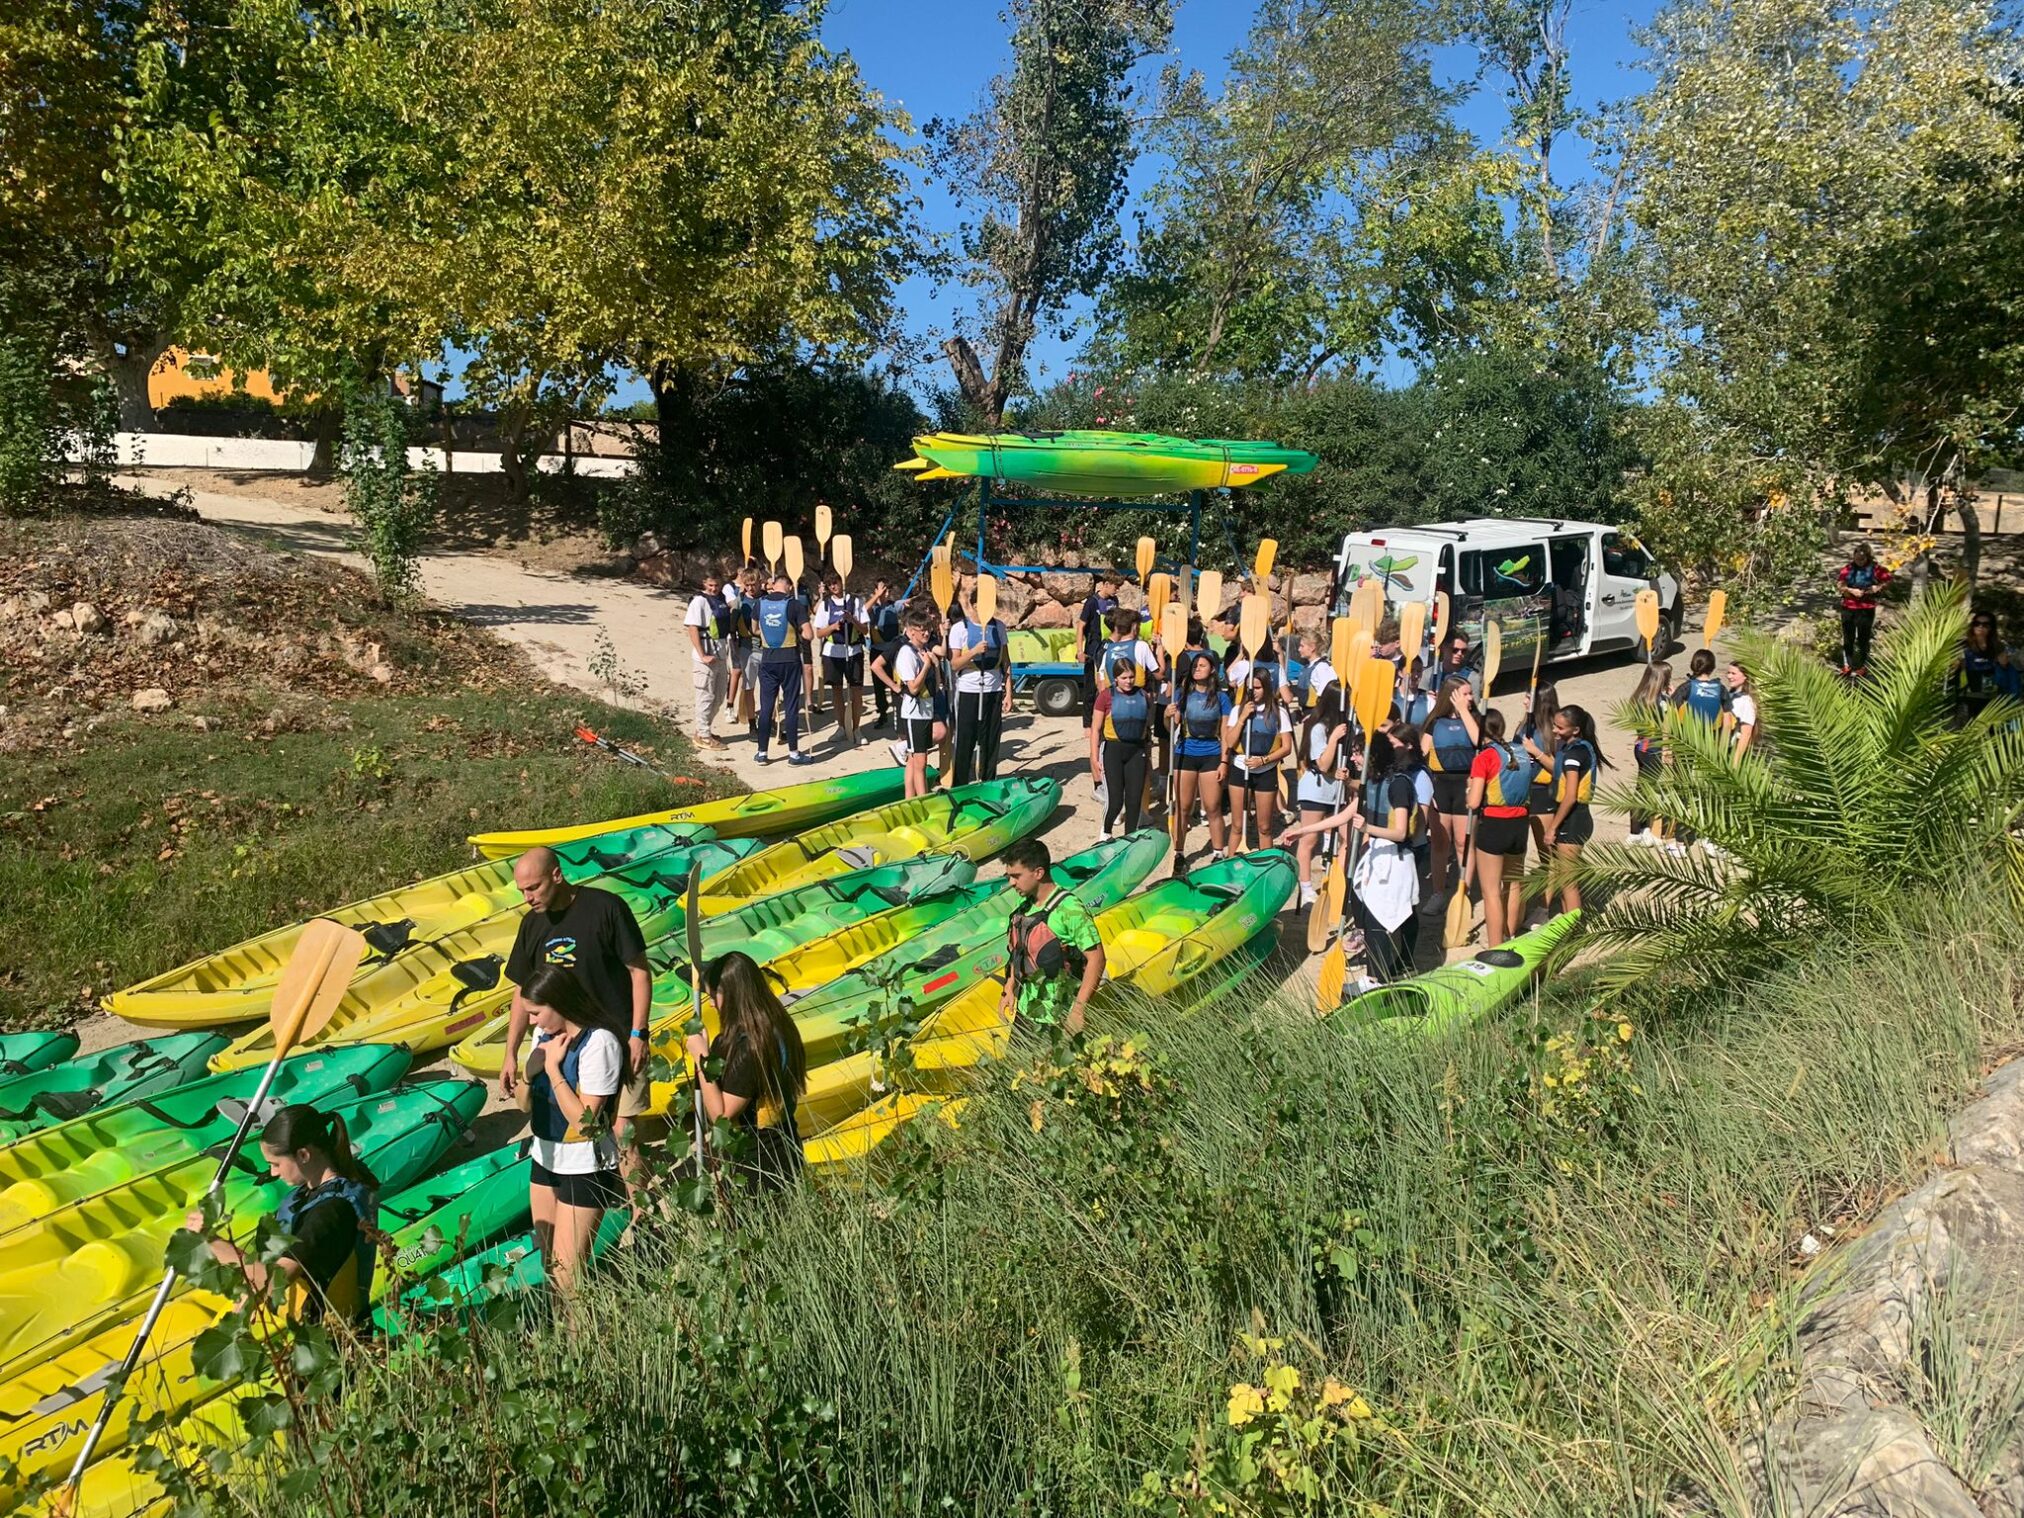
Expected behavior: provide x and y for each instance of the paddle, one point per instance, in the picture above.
(1718, 609)
(769, 538)
(1340, 631)
(1261, 566)
(1159, 593)
(1173, 642)
(942, 588)
(1254, 623)
(1209, 596)
(692, 926)
(825, 525)
(792, 551)
(1412, 632)
(631, 758)
(1366, 606)
(748, 543)
(1647, 612)
(840, 556)
(1441, 609)
(1461, 916)
(310, 987)
(1371, 696)
(1147, 551)
(987, 599)
(1493, 656)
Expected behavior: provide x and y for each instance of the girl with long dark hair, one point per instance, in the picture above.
(1197, 714)
(1259, 734)
(1324, 753)
(755, 1066)
(574, 1072)
(1577, 758)
(1536, 735)
(1449, 742)
(1500, 790)
(329, 1214)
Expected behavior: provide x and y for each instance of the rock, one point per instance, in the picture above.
(1015, 599)
(153, 699)
(87, 619)
(201, 724)
(1310, 590)
(156, 627)
(649, 546)
(383, 673)
(1069, 589)
(35, 603)
(288, 657)
(1049, 614)
(65, 620)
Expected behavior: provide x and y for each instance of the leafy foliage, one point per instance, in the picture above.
(395, 504)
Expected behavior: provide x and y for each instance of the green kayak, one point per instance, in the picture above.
(41, 1171)
(940, 964)
(485, 1282)
(437, 993)
(118, 1074)
(775, 930)
(1465, 991)
(23, 1052)
(235, 984)
(97, 1260)
(45, 1408)
(1103, 463)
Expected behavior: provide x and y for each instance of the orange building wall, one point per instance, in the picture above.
(171, 377)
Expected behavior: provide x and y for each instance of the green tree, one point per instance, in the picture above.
(1041, 170)
(1852, 798)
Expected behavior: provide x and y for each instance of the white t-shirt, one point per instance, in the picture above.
(974, 680)
(832, 613)
(1152, 673)
(702, 612)
(906, 669)
(1244, 761)
(1324, 789)
(1320, 675)
(600, 1066)
(1744, 708)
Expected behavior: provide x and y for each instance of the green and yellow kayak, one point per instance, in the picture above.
(233, 985)
(122, 1073)
(973, 820)
(1464, 991)
(22, 1052)
(755, 814)
(1103, 463)
(437, 992)
(96, 1260)
(774, 930)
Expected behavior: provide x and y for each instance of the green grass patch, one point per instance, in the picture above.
(149, 843)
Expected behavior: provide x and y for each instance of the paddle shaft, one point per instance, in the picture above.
(692, 926)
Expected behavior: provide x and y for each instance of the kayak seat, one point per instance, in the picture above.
(27, 1200)
(1226, 890)
(1500, 959)
(106, 1271)
(386, 939)
(1132, 948)
(1171, 925)
(903, 842)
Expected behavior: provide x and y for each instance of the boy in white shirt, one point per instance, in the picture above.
(843, 626)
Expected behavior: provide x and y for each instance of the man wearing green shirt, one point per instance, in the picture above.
(1056, 960)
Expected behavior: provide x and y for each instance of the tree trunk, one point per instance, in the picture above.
(1971, 541)
(128, 372)
(513, 463)
(323, 456)
(969, 372)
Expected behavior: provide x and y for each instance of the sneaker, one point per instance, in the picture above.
(898, 750)
(710, 742)
(760, 757)
(801, 758)
(1677, 850)
(1308, 895)
(1363, 984)
(858, 740)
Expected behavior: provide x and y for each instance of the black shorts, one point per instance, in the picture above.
(601, 1188)
(1259, 780)
(1451, 793)
(1579, 826)
(847, 669)
(1319, 808)
(1541, 802)
(1197, 764)
(1501, 835)
(920, 734)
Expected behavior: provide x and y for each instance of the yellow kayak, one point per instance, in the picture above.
(973, 820)
(234, 985)
(754, 814)
(857, 1136)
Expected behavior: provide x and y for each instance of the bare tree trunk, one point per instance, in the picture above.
(511, 464)
(128, 372)
(969, 372)
(323, 456)
(1971, 540)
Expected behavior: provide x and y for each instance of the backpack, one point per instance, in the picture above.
(1512, 784)
(1705, 697)
(776, 622)
(365, 1204)
(1036, 954)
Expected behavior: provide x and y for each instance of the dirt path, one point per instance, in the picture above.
(562, 622)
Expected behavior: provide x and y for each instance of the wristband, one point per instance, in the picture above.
(639, 1033)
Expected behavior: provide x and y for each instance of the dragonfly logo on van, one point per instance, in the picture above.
(1391, 566)
(1510, 569)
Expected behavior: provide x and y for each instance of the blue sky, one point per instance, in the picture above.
(934, 57)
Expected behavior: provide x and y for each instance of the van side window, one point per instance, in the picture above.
(1496, 573)
(1624, 556)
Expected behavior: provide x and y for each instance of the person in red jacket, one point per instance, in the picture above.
(1861, 578)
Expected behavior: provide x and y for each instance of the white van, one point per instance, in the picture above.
(1574, 582)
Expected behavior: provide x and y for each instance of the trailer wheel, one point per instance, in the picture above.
(1057, 698)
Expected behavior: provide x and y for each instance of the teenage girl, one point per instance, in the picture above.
(574, 1073)
(1536, 735)
(1648, 703)
(1742, 709)
(329, 1214)
(1500, 791)
(1412, 704)
(755, 1065)
(1413, 764)
(1258, 735)
(1576, 759)
(1385, 892)
(1199, 761)
(1324, 751)
(1449, 746)
(1120, 739)
(1986, 670)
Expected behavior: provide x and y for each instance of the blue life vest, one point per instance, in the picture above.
(1453, 752)
(364, 1203)
(1585, 787)
(1860, 579)
(985, 637)
(1706, 698)
(1982, 677)
(885, 623)
(776, 622)
(1414, 710)
(1261, 732)
(1377, 803)
(546, 1118)
(1129, 713)
(1512, 784)
(1114, 650)
(1202, 715)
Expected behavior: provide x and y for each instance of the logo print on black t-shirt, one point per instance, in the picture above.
(559, 951)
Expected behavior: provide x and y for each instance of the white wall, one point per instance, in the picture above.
(174, 450)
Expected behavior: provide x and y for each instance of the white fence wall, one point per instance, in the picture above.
(175, 450)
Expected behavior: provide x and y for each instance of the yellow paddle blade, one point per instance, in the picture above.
(912, 464)
(1461, 917)
(1335, 889)
(1375, 679)
(987, 597)
(1340, 632)
(1254, 623)
(1441, 609)
(1334, 975)
(1352, 660)
(1268, 550)
(936, 474)
(1173, 631)
(840, 554)
(748, 542)
(1493, 654)
(1318, 924)
(313, 982)
(1209, 600)
(825, 524)
(1647, 611)
(1366, 607)
(1146, 553)
(1718, 608)
(1412, 629)
(769, 539)
(791, 550)
(1159, 592)
(942, 578)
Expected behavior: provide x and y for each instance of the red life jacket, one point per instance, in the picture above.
(1036, 953)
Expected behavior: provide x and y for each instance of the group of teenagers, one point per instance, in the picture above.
(754, 647)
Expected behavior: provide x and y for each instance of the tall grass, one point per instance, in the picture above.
(1551, 1258)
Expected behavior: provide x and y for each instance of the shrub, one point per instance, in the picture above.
(394, 503)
